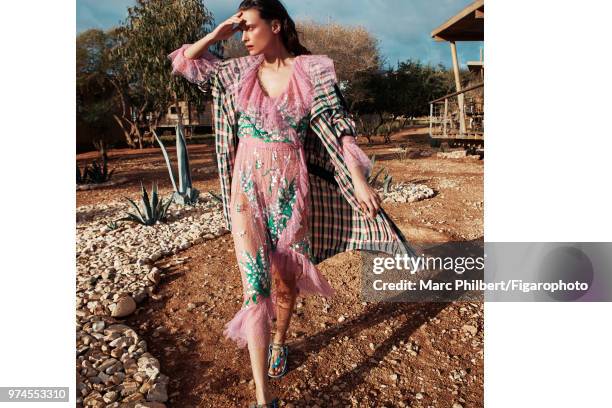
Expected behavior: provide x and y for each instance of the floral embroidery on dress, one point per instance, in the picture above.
(247, 184)
(247, 128)
(280, 212)
(257, 276)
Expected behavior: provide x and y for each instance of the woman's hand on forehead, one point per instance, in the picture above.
(242, 23)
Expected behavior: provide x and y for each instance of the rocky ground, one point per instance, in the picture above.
(151, 303)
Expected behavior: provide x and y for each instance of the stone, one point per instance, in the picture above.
(469, 329)
(128, 388)
(120, 342)
(134, 397)
(158, 393)
(150, 365)
(150, 404)
(140, 296)
(98, 326)
(155, 256)
(118, 378)
(125, 307)
(140, 376)
(457, 154)
(111, 397)
(154, 276)
(107, 363)
(105, 378)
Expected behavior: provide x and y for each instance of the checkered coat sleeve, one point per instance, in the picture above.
(337, 222)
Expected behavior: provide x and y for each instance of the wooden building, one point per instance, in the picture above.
(195, 119)
(459, 116)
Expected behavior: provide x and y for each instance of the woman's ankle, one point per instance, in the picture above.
(263, 397)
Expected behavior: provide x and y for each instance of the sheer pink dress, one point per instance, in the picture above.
(270, 201)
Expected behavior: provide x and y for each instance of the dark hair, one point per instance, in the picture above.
(273, 9)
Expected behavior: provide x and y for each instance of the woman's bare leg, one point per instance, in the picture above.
(258, 357)
(285, 302)
(245, 238)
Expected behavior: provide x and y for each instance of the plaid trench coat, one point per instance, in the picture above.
(337, 223)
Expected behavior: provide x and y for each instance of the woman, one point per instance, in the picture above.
(295, 190)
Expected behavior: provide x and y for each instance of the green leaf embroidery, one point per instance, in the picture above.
(257, 274)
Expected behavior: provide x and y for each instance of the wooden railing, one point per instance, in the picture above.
(459, 115)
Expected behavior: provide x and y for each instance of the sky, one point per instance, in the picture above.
(402, 27)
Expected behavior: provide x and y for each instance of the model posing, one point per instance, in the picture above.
(292, 177)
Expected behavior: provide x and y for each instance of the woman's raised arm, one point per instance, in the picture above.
(195, 70)
(194, 61)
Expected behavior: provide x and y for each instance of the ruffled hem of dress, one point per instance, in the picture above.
(287, 259)
(309, 282)
(256, 320)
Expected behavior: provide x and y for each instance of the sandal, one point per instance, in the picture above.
(272, 404)
(284, 354)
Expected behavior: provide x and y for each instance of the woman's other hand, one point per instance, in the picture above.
(367, 197)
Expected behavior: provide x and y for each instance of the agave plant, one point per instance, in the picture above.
(112, 225)
(185, 193)
(81, 176)
(98, 173)
(387, 183)
(153, 211)
(215, 196)
(100, 145)
(373, 177)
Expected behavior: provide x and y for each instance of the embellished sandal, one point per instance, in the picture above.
(282, 357)
(272, 404)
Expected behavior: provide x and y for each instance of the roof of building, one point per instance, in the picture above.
(467, 25)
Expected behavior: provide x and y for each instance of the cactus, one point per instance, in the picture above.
(154, 210)
(185, 193)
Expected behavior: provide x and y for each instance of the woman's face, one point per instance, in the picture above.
(257, 33)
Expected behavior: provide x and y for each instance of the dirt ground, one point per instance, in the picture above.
(347, 353)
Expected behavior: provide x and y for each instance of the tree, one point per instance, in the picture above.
(390, 97)
(145, 86)
(354, 49)
(94, 90)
